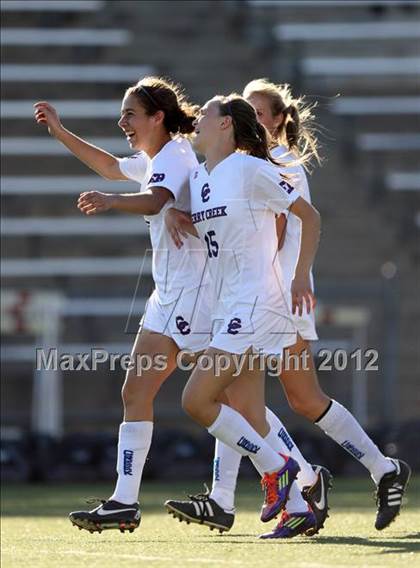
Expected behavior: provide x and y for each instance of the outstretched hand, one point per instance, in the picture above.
(46, 114)
(92, 202)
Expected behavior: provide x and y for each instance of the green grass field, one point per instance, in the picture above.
(36, 532)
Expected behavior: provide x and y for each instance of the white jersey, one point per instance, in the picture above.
(233, 209)
(289, 253)
(174, 271)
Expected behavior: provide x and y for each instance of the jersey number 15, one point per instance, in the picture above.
(212, 244)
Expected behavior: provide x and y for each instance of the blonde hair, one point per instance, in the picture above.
(297, 131)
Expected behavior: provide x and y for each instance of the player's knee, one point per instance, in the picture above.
(248, 412)
(299, 406)
(190, 405)
(132, 392)
(309, 409)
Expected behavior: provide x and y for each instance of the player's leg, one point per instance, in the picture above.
(142, 384)
(200, 401)
(227, 460)
(220, 501)
(250, 402)
(306, 397)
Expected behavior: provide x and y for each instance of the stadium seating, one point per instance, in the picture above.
(89, 109)
(73, 185)
(46, 36)
(48, 6)
(96, 261)
(341, 31)
(66, 73)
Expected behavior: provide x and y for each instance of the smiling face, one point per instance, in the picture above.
(209, 125)
(135, 123)
(262, 106)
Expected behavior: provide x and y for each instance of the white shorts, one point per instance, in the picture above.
(187, 320)
(264, 331)
(305, 325)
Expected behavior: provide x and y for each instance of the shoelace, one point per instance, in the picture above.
(94, 500)
(201, 496)
(200, 499)
(269, 485)
(283, 518)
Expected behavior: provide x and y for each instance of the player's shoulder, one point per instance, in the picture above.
(136, 166)
(252, 164)
(139, 158)
(178, 147)
(141, 155)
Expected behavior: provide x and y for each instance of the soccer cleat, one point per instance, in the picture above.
(317, 497)
(389, 494)
(291, 525)
(109, 515)
(277, 488)
(201, 509)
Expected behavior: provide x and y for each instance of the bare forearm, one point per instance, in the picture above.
(138, 203)
(311, 230)
(99, 160)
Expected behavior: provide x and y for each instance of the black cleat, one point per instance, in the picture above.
(317, 497)
(203, 510)
(389, 494)
(109, 515)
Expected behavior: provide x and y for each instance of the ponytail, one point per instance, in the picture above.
(292, 126)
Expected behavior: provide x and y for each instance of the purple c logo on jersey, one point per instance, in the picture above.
(205, 193)
(182, 325)
(234, 326)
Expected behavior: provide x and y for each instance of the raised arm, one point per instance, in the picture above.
(311, 229)
(103, 163)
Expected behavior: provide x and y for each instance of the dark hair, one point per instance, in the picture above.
(298, 129)
(156, 93)
(250, 135)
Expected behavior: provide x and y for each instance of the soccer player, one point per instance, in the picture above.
(235, 197)
(154, 117)
(289, 122)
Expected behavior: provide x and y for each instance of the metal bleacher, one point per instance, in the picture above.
(95, 262)
(361, 62)
(50, 248)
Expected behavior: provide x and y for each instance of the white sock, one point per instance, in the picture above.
(281, 441)
(227, 461)
(225, 474)
(231, 428)
(133, 446)
(341, 426)
(295, 502)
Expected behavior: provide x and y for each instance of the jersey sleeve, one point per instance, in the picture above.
(136, 167)
(171, 173)
(272, 190)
